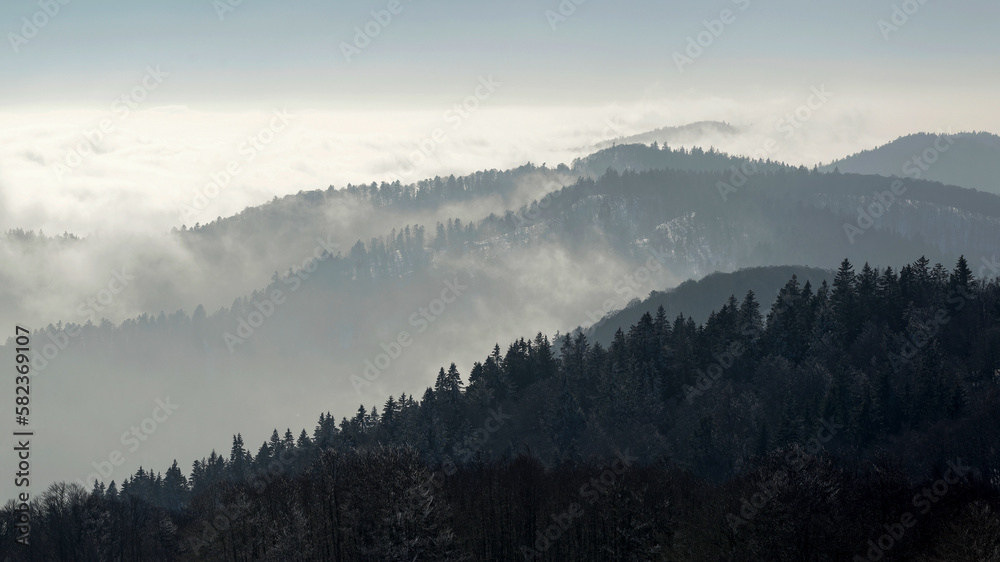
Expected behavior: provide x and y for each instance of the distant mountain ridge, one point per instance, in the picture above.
(641, 157)
(538, 246)
(690, 134)
(969, 160)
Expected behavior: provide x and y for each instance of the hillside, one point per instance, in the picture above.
(296, 340)
(677, 440)
(697, 299)
(640, 157)
(966, 159)
(700, 133)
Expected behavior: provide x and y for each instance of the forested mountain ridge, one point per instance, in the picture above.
(966, 159)
(302, 339)
(698, 299)
(854, 396)
(642, 157)
(217, 261)
(664, 215)
(549, 265)
(698, 133)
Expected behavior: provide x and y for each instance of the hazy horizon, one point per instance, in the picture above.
(363, 113)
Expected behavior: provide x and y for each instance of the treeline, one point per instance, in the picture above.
(778, 216)
(861, 411)
(424, 194)
(706, 210)
(19, 235)
(640, 157)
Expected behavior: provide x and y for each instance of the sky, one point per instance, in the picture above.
(181, 85)
(268, 52)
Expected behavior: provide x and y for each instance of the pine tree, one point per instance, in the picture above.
(263, 457)
(175, 488)
(441, 387)
(358, 425)
(440, 238)
(750, 320)
(544, 363)
(389, 416)
(867, 291)
(961, 278)
(889, 306)
(782, 319)
(453, 382)
(275, 444)
(303, 441)
(844, 301)
(661, 324)
(921, 288)
(238, 459)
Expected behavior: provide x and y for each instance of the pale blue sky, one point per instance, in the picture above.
(266, 51)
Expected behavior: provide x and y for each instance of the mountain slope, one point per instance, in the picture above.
(698, 299)
(639, 157)
(832, 406)
(967, 159)
(542, 267)
(700, 133)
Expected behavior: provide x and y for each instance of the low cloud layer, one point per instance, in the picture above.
(59, 171)
(121, 180)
